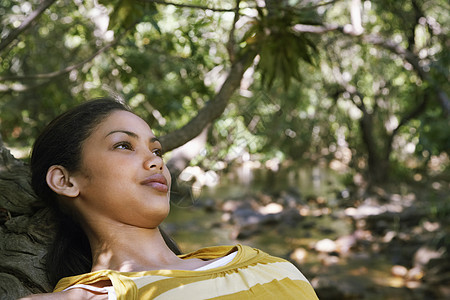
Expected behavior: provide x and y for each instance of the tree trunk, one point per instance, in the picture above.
(377, 158)
(25, 232)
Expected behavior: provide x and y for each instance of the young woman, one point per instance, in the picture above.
(100, 167)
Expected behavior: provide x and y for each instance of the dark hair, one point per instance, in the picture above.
(60, 143)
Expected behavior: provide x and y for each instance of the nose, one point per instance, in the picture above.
(153, 161)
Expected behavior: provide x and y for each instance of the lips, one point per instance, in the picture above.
(157, 182)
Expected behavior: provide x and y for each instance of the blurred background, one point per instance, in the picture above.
(317, 131)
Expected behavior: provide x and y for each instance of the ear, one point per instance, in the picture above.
(60, 181)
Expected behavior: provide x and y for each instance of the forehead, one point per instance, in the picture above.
(123, 120)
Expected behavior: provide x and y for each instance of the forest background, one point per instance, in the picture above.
(357, 87)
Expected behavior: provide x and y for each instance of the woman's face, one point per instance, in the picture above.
(123, 177)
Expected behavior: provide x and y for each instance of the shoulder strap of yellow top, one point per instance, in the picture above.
(125, 287)
(210, 252)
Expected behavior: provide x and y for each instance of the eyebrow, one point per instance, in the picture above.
(133, 135)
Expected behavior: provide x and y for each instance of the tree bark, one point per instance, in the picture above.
(25, 232)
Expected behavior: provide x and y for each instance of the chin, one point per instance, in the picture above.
(156, 218)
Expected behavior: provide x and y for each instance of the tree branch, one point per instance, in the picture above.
(390, 45)
(346, 87)
(4, 89)
(191, 6)
(26, 23)
(66, 69)
(213, 109)
(302, 28)
(418, 13)
(412, 114)
(231, 40)
(415, 62)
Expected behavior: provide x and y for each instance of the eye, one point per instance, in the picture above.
(124, 146)
(158, 152)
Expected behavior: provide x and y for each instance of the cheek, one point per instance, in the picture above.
(166, 174)
(97, 170)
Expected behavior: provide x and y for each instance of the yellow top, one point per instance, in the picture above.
(251, 274)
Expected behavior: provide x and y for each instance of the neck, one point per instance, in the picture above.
(130, 249)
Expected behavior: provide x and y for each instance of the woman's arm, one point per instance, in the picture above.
(72, 294)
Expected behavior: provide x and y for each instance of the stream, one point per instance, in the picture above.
(306, 215)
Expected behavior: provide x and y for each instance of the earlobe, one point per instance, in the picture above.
(59, 180)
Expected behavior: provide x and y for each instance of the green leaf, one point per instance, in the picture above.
(126, 13)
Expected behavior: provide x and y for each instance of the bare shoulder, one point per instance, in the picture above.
(73, 294)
